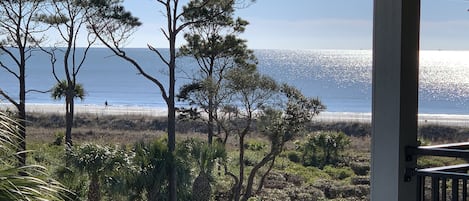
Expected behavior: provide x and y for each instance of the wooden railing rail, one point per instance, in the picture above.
(442, 183)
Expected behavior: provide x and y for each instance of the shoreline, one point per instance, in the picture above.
(99, 110)
(102, 110)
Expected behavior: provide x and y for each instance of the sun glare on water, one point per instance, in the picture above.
(443, 71)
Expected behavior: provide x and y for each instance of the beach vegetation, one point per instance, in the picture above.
(323, 148)
(281, 125)
(98, 162)
(286, 180)
(346, 179)
(29, 182)
(206, 156)
(151, 161)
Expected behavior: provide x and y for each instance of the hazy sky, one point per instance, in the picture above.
(320, 24)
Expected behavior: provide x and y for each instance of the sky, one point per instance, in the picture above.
(319, 24)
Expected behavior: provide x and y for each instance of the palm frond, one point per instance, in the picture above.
(25, 182)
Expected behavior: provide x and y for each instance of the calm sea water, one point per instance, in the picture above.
(340, 78)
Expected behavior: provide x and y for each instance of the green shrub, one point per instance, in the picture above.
(360, 168)
(99, 162)
(294, 156)
(349, 191)
(361, 180)
(433, 161)
(251, 158)
(323, 148)
(74, 180)
(338, 173)
(306, 193)
(309, 174)
(255, 145)
(152, 160)
(59, 138)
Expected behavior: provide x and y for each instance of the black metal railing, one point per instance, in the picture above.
(442, 183)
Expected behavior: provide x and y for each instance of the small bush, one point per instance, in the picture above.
(361, 180)
(339, 173)
(59, 138)
(433, 161)
(323, 148)
(251, 158)
(255, 145)
(306, 193)
(309, 174)
(349, 191)
(335, 190)
(360, 168)
(294, 156)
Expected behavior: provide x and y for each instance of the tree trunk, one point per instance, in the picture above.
(154, 193)
(22, 111)
(69, 104)
(172, 116)
(239, 187)
(22, 133)
(201, 189)
(261, 182)
(172, 179)
(210, 120)
(253, 173)
(94, 192)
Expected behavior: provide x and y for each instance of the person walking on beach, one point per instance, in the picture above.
(105, 104)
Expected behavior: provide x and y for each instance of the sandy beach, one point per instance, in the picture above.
(98, 110)
(101, 110)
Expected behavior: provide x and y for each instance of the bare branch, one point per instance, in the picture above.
(39, 91)
(164, 33)
(11, 100)
(9, 70)
(53, 60)
(121, 53)
(10, 54)
(90, 43)
(159, 54)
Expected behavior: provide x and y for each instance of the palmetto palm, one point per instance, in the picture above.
(206, 156)
(70, 91)
(25, 182)
(60, 90)
(97, 161)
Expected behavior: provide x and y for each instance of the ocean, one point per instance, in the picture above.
(340, 78)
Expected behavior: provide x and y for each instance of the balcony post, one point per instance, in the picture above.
(395, 98)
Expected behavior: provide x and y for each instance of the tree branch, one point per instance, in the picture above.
(9, 70)
(11, 55)
(158, 53)
(165, 34)
(39, 91)
(120, 53)
(11, 100)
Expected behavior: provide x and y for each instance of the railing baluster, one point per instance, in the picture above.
(443, 189)
(420, 188)
(435, 188)
(464, 189)
(455, 190)
(458, 174)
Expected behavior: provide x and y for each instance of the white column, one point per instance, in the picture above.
(395, 97)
